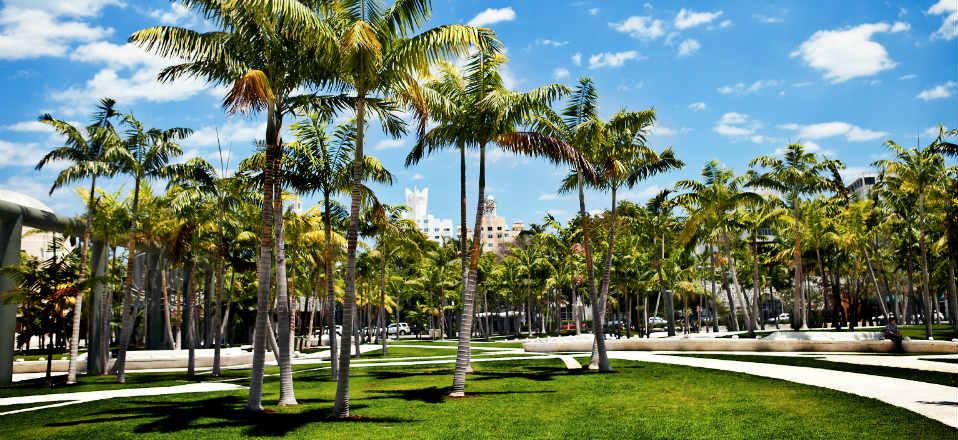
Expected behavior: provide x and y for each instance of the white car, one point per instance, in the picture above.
(402, 328)
(657, 320)
(784, 317)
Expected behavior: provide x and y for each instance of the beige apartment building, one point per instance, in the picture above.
(497, 236)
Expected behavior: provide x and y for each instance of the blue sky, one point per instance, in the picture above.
(728, 80)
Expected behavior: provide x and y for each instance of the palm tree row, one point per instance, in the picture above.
(311, 61)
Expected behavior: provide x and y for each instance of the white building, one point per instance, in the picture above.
(862, 186)
(436, 229)
(496, 235)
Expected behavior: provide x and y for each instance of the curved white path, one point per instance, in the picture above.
(934, 401)
(64, 399)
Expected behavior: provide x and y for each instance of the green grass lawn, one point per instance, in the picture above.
(531, 399)
(814, 362)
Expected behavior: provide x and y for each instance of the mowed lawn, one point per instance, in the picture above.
(535, 398)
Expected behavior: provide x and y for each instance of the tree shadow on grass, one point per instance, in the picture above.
(438, 394)
(219, 412)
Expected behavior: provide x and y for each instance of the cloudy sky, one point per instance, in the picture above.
(728, 80)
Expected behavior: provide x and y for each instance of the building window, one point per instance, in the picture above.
(499, 236)
(498, 228)
(489, 236)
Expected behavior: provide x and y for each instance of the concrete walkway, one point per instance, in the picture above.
(938, 402)
(64, 399)
(914, 362)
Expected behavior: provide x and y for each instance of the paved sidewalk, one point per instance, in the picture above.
(934, 401)
(915, 362)
(64, 399)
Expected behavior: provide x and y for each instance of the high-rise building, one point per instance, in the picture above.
(496, 236)
(862, 186)
(436, 229)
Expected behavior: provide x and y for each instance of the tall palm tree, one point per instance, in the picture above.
(574, 126)
(321, 162)
(660, 222)
(378, 58)
(919, 171)
(499, 116)
(259, 49)
(714, 218)
(394, 237)
(623, 162)
(86, 155)
(797, 174)
(146, 156)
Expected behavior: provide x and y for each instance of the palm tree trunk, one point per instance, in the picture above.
(925, 281)
(341, 407)
(217, 332)
(264, 265)
(330, 291)
(756, 291)
(189, 311)
(798, 303)
(600, 359)
(738, 289)
(126, 310)
(464, 347)
(952, 294)
(380, 316)
(167, 325)
(715, 328)
(287, 393)
(667, 296)
(78, 302)
(464, 257)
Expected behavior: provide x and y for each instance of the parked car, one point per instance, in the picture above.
(402, 328)
(325, 331)
(784, 317)
(657, 320)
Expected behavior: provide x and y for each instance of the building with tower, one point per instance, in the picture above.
(436, 229)
(497, 236)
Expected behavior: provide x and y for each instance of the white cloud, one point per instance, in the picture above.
(553, 43)
(688, 47)
(236, 131)
(608, 59)
(129, 76)
(802, 84)
(645, 28)
(641, 195)
(743, 89)
(560, 73)
(417, 176)
(825, 130)
(34, 33)
(949, 26)
(176, 14)
(846, 53)
(73, 8)
(768, 19)
(388, 144)
(549, 196)
(19, 154)
(908, 76)
(940, 91)
(30, 126)
(697, 106)
(492, 16)
(725, 23)
(593, 11)
(734, 124)
(687, 18)
(577, 59)
(900, 26)
(932, 131)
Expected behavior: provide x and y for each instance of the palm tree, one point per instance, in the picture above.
(626, 160)
(146, 156)
(260, 50)
(378, 59)
(660, 221)
(919, 171)
(86, 155)
(322, 162)
(797, 174)
(393, 235)
(575, 128)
